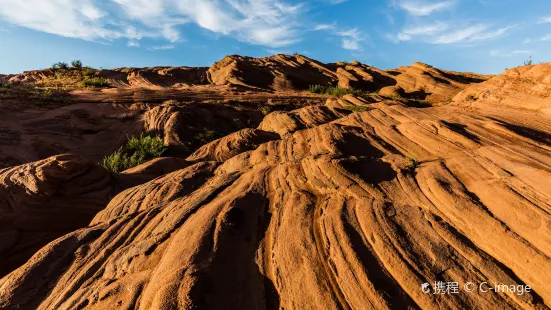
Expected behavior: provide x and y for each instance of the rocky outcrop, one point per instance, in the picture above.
(351, 204)
(352, 211)
(280, 72)
(89, 130)
(283, 72)
(233, 144)
(44, 200)
(156, 77)
(526, 87)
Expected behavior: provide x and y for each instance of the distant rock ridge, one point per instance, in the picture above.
(288, 72)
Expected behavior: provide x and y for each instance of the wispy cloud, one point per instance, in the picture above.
(272, 23)
(325, 26)
(350, 39)
(422, 8)
(409, 33)
(471, 34)
(162, 47)
(544, 20)
(133, 44)
(76, 19)
(449, 33)
(544, 38)
(504, 53)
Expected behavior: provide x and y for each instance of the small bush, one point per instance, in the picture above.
(265, 110)
(88, 72)
(136, 151)
(470, 97)
(413, 163)
(96, 82)
(333, 90)
(529, 61)
(60, 65)
(76, 64)
(206, 136)
(5, 84)
(317, 89)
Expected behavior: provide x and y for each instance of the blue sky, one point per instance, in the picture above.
(484, 36)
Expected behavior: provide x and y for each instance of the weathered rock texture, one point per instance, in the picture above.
(349, 205)
(353, 212)
(284, 72)
(45, 200)
(526, 87)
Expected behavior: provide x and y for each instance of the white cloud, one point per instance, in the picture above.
(76, 19)
(418, 8)
(503, 53)
(272, 23)
(447, 33)
(409, 33)
(162, 47)
(325, 27)
(133, 44)
(545, 38)
(350, 39)
(544, 20)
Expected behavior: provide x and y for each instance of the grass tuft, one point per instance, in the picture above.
(96, 82)
(88, 72)
(136, 151)
(333, 90)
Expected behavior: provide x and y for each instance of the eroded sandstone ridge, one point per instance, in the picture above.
(351, 203)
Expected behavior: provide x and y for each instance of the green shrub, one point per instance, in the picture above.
(5, 84)
(412, 163)
(470, 98)
(529, 61)
(206, 136)
(136, 151)
(76, 64)
(265, 110)
(333, 90)
(88, 72)
(96, 82)
(317, 89)
(60, 65)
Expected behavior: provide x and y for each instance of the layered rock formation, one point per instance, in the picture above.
(351, 204)
(526, 87)
(354, 212)
(284, 72)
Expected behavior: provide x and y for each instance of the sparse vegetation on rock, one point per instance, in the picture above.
(332, 90)
(96, 82)
(60, 65)
(76, 64)
(273, 198)
(136, 151)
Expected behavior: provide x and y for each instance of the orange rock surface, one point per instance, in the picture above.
(334, 203)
